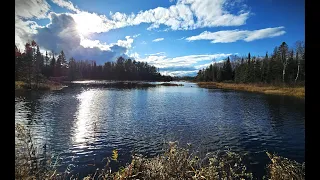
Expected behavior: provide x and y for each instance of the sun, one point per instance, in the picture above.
(87, 23)
(82, 29)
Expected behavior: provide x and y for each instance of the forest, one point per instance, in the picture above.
(284, 66)
(33, 67)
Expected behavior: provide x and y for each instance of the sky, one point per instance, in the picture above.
(177, 36)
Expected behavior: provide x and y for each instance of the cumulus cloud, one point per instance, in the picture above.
(88, 43)
(184, 15)
(31, 9)
(24, 11)
(158, 39)
(236, 35)
(24, 31)
(62, 34)
(92, 22)
(134, 55)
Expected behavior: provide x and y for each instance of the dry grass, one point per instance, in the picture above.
(262, 88)
(282, 168)
(48, 85)
(29, 164)
(19, 84)
(175, 163)
(179, 163)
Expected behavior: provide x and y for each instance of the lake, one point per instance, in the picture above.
(84, 125)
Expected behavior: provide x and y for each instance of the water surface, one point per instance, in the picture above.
(84, 125)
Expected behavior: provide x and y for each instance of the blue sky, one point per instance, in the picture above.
(178, 36)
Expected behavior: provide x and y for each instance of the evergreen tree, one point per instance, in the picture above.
(28, 64)
(53, 65)
(227, 69)
(264, 69)
(38, 66)
(219, 75)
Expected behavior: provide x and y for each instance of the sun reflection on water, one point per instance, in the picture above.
(87, 117)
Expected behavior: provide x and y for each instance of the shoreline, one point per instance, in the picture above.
(260, 88)
(48, 86)
(53, 86)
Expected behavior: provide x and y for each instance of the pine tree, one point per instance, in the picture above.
(291, 67)
(28, 63)
(220, 75)
(61, 62)
(38, 66)
(53, 65)
(227, 70)
(264, 68)
(72, 69)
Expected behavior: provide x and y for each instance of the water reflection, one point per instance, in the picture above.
(86, 117)
(89, 124)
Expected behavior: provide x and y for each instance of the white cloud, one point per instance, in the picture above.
(207, 64)
(88, 43)
(265, 33)
(179, 73)
(134, 55)
(31, 9)
(92, 23)
(143, 42)
(27, 10)
(22, 33)
(66, 4)
(158, 39)
(184, 15)
(236, 35)
(156, 54)
(162, 61)
(183, 65)
(136, 35)
(62, 34)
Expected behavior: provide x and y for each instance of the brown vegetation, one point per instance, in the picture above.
(48, 85)
(261, 88)
(175, 163)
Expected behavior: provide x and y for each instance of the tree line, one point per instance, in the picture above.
(284, 66)
(32, 66)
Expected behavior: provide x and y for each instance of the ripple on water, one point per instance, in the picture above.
(85, 125)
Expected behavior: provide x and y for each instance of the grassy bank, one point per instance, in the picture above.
(120, 84)
(174, 163)
(20, 85)
(261, 88)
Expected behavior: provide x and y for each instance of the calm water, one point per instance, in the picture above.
(85, 125)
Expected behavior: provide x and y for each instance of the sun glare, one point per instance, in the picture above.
(83, 30)
(88, 23)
